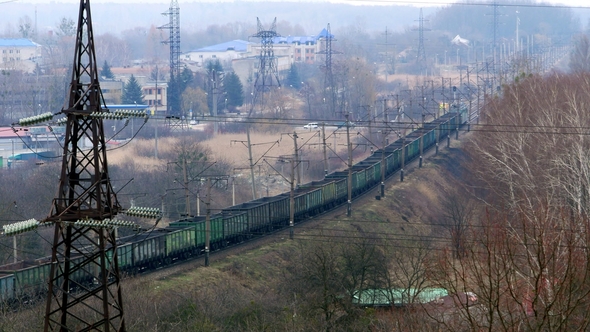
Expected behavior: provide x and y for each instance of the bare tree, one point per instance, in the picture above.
(580, 56)
(457, 212)
(526, 259)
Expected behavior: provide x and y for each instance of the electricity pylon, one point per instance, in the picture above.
(84, 292)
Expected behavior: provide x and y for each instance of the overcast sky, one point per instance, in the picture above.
(418, 3)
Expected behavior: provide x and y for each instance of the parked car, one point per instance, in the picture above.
(311, 125)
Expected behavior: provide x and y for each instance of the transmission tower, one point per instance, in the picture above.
(268, 74)
(495, 23)
(173, 115)
(84, 273)
(329, 87)
(421, 57)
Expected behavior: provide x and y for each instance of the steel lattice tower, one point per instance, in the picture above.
(173, 41)
(421, 57)
(327, 67)
(91, 300)
(268, 72)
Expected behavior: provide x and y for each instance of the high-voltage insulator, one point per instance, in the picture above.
(143, 212)
(106, 223)
(61, 121)
(20, 227)
(35, 119)
(118, 115)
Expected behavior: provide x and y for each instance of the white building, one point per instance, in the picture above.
(224, 52)
(19, 54)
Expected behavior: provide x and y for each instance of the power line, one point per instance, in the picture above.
(539, 5)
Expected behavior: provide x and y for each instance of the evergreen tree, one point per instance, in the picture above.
(106, 71)
(293, 78)
(234, 90)
(132, 92)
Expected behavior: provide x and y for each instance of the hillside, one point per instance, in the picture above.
(266, 289)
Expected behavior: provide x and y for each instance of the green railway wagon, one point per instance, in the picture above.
(30, 278)
(412, 148)
(278, 209)
(372, 167)
(180, 243)
(6, 287)
(125, 256)
(359, 179)
(150, 248)
(197, 225)
(328, 190)
(308, 202)
(340, 179)
(235, 226)
(258, 215)
(314, 200)
(429, 135)
(215, 231)
(395, 149)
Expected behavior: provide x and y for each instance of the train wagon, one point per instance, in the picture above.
(278, 210)
(6, 287)
(30, 277)
(179, 244)
(235, 227)
(125, 256)
(372, 167)
(198, 225)
(308, 202)
(150, 249)
(340, 179)
(257, 214)
(328, 191)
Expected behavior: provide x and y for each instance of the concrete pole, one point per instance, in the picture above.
(349, 145)
(251, 162)
(208, 223)
(326, 165)
(292, 201)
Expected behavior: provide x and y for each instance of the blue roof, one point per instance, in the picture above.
(302, 39)
(127, 107)
(324, 34)
(235, 45)
(16, 42)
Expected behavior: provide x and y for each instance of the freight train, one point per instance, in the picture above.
(185, 238)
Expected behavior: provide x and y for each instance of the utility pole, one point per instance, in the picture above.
(326, 165)
(292, 200)
(349, 146)
(251, 162)
(156, 115)
(186, 191)
(208, 222)
(401, 173)
(215, 120)
(384, 134)
(297, 158)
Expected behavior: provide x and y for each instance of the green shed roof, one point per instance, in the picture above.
(397, 296)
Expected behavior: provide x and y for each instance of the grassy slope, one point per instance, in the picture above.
(407, 209)
(191, 297)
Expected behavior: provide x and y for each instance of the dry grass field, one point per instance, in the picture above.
(232, 148)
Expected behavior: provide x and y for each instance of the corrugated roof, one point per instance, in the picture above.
(4, 42)
(235, 45)
(397, 296)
